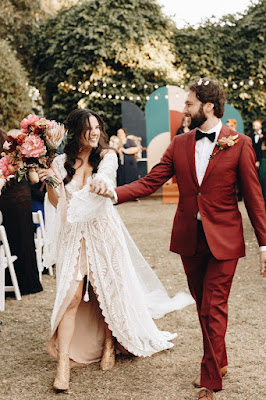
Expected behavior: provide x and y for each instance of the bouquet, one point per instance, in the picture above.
(34, 146)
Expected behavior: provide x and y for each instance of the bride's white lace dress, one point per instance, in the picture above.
(86, 236)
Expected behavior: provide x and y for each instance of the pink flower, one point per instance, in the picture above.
(5, 167)
(33, 146)
(26, 122)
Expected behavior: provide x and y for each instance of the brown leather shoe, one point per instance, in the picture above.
(197, 384)
(206, 394)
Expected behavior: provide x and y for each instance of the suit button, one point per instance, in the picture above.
(194, 216)
(199, 194)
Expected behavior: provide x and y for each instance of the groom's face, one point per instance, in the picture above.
(194, 109)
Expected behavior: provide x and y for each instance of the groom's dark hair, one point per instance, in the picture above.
(208, 91)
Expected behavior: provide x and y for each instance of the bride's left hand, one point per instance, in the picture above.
(45, 173)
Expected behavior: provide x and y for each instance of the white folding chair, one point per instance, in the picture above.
(39, 239)
(6, 261)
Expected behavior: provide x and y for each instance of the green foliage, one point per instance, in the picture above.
(232, 50)
(14, 99)
(112, 44)
(17, 20)
(127, 47)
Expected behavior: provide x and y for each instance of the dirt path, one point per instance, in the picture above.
(27, 371)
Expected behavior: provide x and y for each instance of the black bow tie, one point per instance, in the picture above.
(200, 135)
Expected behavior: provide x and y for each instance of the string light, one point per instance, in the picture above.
(83, 88)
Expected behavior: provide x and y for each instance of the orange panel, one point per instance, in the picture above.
(176, 118)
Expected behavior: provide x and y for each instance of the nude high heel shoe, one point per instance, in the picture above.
(108, 357)
(61, 381)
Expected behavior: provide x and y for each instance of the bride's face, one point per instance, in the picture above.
(90, 138)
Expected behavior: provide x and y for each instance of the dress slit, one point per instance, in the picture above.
(88, 339)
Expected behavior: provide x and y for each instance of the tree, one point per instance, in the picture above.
(14, 100)
(233, 52)
(99, 52)
(17, 21)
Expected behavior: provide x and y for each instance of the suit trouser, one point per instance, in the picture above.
(210, 282)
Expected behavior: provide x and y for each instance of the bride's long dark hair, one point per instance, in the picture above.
(77, 123)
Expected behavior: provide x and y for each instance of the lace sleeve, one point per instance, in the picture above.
(84, 205)
(107, 169)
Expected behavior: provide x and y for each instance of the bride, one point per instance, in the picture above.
(107, 295)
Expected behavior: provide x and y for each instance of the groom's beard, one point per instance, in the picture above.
(198, 119)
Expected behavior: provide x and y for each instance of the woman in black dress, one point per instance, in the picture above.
(128, 168)
(15, 204)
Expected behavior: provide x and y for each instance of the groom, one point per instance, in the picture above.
(207, 229)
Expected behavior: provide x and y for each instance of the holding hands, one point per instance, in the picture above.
(99, 186)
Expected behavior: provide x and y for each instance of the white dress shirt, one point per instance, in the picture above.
(203, 150)
(257, 136)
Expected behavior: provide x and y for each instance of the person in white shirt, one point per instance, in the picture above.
(257, 137)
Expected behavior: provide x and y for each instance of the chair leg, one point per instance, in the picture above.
(14, 280)
(2, 279)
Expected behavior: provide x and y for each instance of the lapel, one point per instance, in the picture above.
(190, 147)
(224, 132)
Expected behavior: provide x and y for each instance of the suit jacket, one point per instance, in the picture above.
(215, 198)
(257, 147)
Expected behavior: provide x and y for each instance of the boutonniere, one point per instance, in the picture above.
(225, 143)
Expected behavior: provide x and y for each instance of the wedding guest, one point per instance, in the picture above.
(231, 123)
(106, 296)
(128, 168)
(257, 137)
(38, 191)
(185, 126)
(207, 229)
(15, 205)
(116, 145)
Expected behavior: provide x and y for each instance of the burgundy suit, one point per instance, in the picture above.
(210, 250)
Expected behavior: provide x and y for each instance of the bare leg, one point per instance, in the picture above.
(108, 357)
(65, 333)
(66, 326)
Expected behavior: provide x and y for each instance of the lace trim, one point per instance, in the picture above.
(124, 337)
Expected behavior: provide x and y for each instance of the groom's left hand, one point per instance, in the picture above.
(263, 264)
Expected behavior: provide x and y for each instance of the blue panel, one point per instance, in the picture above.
(231, 112)
(133, 120)
(157, 114)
